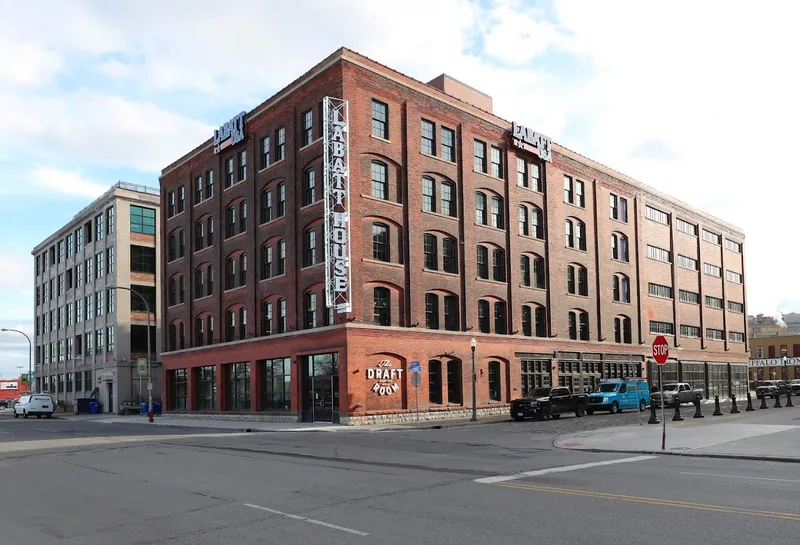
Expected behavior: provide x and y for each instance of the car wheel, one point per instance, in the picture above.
(614, 408)
(24, 414)
(555, 416)
(38, 417)
(590, 412)
(49, 415)
(642, 406)
(16, 414)
(518, 418)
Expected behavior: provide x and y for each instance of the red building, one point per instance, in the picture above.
(316, 247)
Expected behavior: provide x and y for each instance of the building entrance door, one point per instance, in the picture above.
(110, 390)
(320, 388)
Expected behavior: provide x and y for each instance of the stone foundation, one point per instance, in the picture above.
(260, 417)
(411, 417)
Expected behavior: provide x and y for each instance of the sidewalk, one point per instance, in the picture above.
(259, 426)
(772, 434)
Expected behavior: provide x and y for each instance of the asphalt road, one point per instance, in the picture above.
(497, 483)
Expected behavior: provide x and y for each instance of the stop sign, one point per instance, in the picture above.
(660, 350)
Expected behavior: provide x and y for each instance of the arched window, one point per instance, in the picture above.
(199, 331)
(199, 235)
(309, 187)
(531, 221)
(619, 247)
(524, 228)
(309, 247)
(534, 320)
(483, 316)
(537, 223)
(281, 256)
(449, 255)
(266, 318)
(481, 213)
(577, 280)
(431, 311)
(266, 205)
(622, 329)
(497, 213)
(281, 199)
(483, 262)
(430, 248)
(177, 290)
(494, 381)
(200, 281)
(382, 306)
(579, 325)
(525, 269)
(380, 180)
(500, 318)
(575, 231)
(499, 265)
(380, 242)
(267, 261)
(310, 310)
(621, 288)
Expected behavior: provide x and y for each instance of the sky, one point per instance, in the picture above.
(696, 99)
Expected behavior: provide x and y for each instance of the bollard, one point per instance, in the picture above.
(717, 410)
(677, 416)
(150, 417)
(653, 418)
(697, 412)
(778, 401)
(734, 407)
(749, 403)
(789, 399)
(763, 402)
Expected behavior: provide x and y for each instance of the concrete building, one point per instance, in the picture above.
(89, 338)
(765, 326)
(318, 250)
(775, 358)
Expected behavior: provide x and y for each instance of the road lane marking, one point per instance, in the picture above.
(739, 477)
(44, 444)
(560, 469)
(653, 501)
(306, 519)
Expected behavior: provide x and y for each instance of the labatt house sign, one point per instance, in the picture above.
(385, 378)
(532, 141)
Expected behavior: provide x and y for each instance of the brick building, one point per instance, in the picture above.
(775, 358)
(462, 226)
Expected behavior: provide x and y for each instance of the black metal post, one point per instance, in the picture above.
(677, 416)
(734, 407)
(789, 398)
(749, 403)
(474, 386)
(697, 412)
(717, 410)
(763, 401)
(653, 417)
(778, 400)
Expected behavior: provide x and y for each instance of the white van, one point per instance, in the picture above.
(38, 405)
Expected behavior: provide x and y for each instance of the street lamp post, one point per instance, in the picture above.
(30, 357)
(473, 344)
(785, 368)
(149, 377)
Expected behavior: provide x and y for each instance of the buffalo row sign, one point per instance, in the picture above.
(772, 362)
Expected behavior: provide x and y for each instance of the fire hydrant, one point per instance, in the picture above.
(150, 416)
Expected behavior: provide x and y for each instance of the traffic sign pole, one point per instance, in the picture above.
(663, 420)
(660, 354)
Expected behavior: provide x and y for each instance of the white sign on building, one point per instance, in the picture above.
(336, 135)
(385, 377)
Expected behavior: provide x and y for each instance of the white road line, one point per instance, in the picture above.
(561, 469)
(739, 477)
(306, 519)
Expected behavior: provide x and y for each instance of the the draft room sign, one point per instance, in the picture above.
(386, 378)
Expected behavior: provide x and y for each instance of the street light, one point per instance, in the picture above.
(473, 343)
(30, 357)
(785, 367)
(149, 377)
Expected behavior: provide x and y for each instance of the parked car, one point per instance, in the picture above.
(772, 388)
(795, 386)
(546, 403)
(37, 405)
(617, 395)
(677, 393)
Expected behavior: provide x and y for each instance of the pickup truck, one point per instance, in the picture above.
(676, 392)
(547, 403)
(771, 388)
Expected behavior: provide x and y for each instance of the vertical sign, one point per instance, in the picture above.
(336, 134)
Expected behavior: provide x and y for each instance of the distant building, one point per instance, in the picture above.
(792, 321)
(89, 337)
(766, 326)
(766, 358)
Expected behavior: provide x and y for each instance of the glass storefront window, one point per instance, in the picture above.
(276, 384)
(206, 396)
(535, 374)
(695, 374)
(717, 380)
(739, 386)
(237, 391)
(177, 389)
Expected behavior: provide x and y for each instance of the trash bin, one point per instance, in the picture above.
(82, 405)
(157, 408)
(94, 407)
(143, 408)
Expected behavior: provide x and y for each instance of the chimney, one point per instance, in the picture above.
(462, 91)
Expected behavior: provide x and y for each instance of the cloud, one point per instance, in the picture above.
(16, 273)
(69, 183)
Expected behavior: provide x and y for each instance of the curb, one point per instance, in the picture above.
(750, 457)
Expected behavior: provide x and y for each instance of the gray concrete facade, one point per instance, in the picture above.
(88, 337)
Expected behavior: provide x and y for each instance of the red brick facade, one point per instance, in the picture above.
(502, 357)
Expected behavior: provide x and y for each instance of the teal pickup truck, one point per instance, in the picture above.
(616, 395)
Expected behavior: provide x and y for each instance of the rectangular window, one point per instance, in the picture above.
(619, 208)
(380, 119)
(99, 230)
(430, 250)
(715, 334)
(309, 187)
(497, 162)
(448, 201)
(309, 248)
(308, 127)
(686, 227)
(733, 306)
(662, 328)
(712, 270)
(687, 262)
(209, 184)
(689, 297)
(448, 144)
(280, 144)
(483, 262)
(536, 180)
(198, 190)
(310, 309)
(494, 381)
(479, 159)
(380, 185)
(500, 321)
(734, 277)
(428, 195)
(497, 213)
(659, 254)
(451, 319)
(580, 194)
(450, 255)
(428, 137)
(99, 265)
(733, 246)
(690, 331)
(736, 336)
(143, 259)
(714, 302)
(276, 384)
(431, 311)
(281, 256)
(498, 265)
(569, 195)
(229, 166)
(181, 198)
(483, 316)
(110, 260)
(435, 382)
(265, 149)
(656, 215)
(713, 238)
(380, 242)
(242, 165)
(143, 220)
(522, 172)
(657, 290)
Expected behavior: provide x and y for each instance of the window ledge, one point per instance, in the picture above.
(531, 237)
(615, 220)
(234, 289)
(269, 166)
(576, 249)
(490, 281)
(439, 215)
(386, 201)
(307, 267)
(273, 220)
(168, 219)
(532, 190)
(577, 295)
(486, 226)
(204, 249)
(487, 175)
(443, 273)
(534, 288)
(272, 277)
(234, 237)
(576, 206)
(310, 144)
(234, 184)
(379, 262)
(445, 161)
(307, 206)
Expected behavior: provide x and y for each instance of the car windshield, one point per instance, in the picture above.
(540, 392)
(607, 387)
(671, 387)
